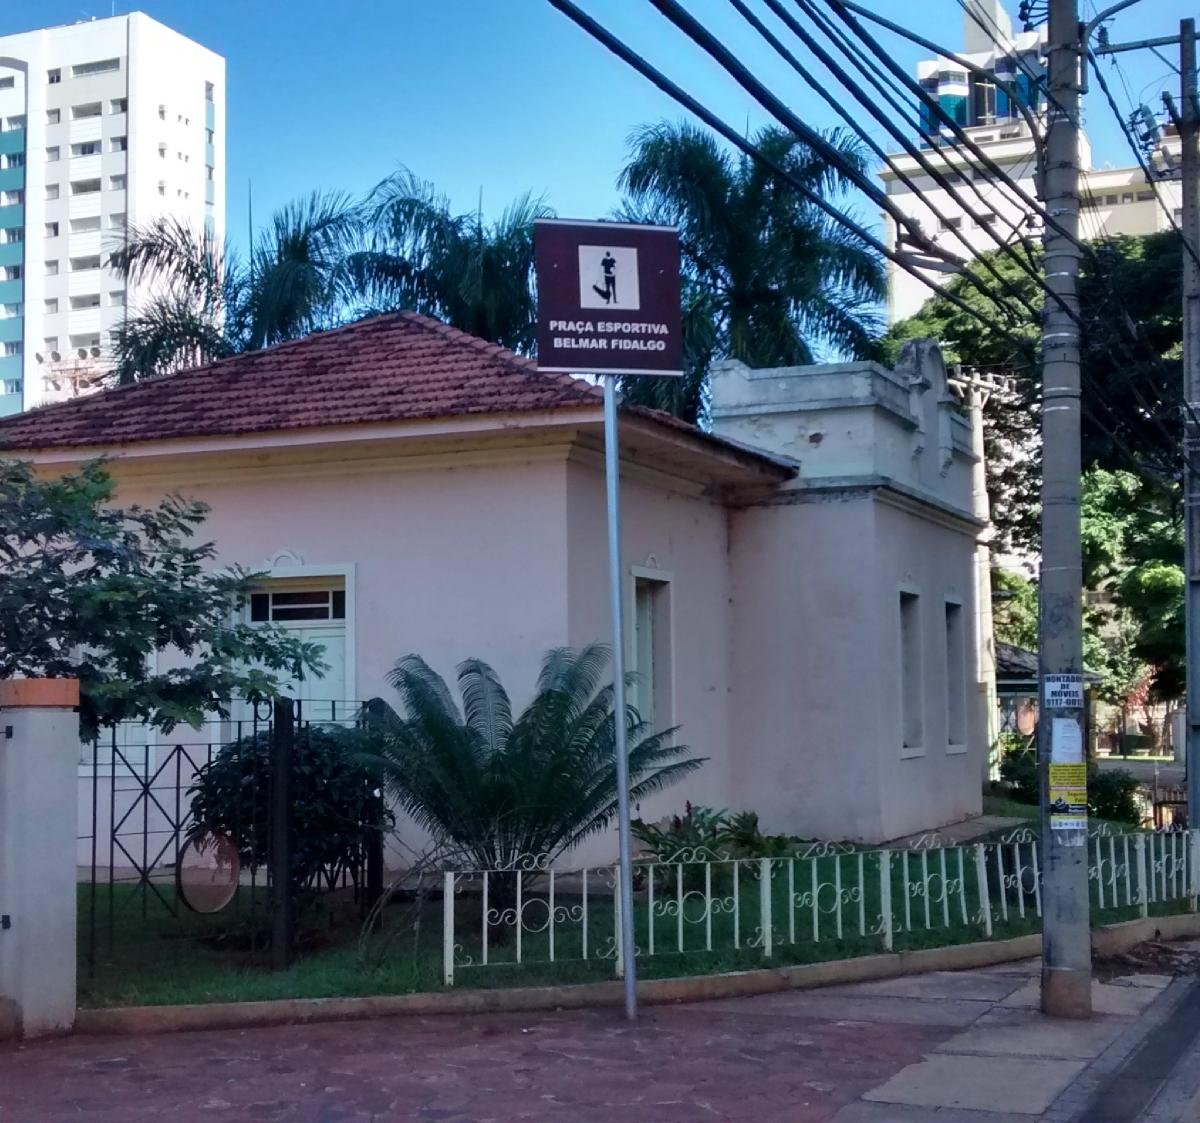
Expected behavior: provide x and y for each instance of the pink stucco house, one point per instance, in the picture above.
(799, 579)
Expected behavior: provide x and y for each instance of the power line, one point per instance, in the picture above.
(856, 56)
(841, 110)
(1151, 179)
(702, 37)
(624, 52)
(843, 13)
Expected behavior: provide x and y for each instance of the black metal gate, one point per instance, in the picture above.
(144, 796)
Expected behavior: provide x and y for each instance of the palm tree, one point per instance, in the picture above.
(206, 302)
(190, 317)
(768, 278)
(505, 790)
(474, 275)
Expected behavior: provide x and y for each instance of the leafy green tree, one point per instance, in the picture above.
(90, 590)
(502, 789)
(1014, 609)
(767, 277)
(1131, 304)
(421, 256)
(207, 303)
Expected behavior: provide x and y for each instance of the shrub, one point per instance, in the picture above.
(701, 831)
(1019, 771)
(1111, 795)
(338, 810)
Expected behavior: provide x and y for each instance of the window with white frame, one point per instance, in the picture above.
(53, 116)
(912, 679)
(652, 648)
(101, 66)
(279, 606)
(956, 677)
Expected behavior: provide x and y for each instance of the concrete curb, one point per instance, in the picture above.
(735, 984)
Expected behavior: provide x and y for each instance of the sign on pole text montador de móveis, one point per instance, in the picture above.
(608, 298)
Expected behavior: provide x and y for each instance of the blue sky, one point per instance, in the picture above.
(491, 98)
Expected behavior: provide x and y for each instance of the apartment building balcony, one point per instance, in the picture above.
(12, 141)
(12, 179)
(84, 281)
(11, 216)
(12, 253)
(87, 244)
(86, 128)
(10, 367)
(84, 321)
(85, 167)
(12, 292)
(210, 115)
(86, 206)
(12, 328)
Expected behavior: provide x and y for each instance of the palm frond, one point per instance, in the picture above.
(501, 787)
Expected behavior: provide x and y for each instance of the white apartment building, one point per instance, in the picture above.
(103, 124)
(1115, 200)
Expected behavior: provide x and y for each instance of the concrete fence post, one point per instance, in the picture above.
(39, 763)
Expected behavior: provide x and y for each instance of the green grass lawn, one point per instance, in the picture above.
(148, 955)
(149, 950)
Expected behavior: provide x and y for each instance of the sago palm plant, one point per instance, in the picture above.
(500, 790)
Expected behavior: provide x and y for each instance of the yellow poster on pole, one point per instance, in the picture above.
(1068, 797)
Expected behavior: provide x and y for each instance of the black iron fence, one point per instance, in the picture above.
(243, 835)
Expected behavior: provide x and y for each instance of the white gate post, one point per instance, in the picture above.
(39, 810)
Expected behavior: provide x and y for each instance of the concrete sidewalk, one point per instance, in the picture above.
(950, 1047)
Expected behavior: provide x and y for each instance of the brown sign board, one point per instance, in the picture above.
(608, 298)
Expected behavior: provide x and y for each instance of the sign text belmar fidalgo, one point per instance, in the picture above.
(609, 335)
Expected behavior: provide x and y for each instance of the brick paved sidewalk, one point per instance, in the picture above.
(963, 1047)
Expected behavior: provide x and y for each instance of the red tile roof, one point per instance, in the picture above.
(397, 367)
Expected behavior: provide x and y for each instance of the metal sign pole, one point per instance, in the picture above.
(612, 474)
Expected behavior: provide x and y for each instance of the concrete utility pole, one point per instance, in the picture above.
(1066, 939)
(1189, 134)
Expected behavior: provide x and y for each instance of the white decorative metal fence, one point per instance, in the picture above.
(812, 904)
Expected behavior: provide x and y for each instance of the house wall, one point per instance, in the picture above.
(805, 720)
(882, 503)
(940, 784)
(449, 560)
(684, 538)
